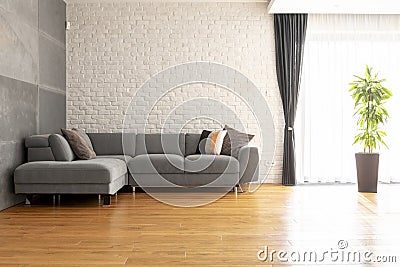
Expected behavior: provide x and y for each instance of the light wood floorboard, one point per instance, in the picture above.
(138, 230)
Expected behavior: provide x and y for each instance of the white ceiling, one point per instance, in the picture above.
(166, 1)
(335, 6)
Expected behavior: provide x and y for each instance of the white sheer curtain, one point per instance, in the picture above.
(338, 46)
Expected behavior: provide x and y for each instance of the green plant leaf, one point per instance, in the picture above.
(369, 99)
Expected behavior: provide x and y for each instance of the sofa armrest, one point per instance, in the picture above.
(249, 161)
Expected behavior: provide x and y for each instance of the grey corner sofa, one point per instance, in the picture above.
(145, 160)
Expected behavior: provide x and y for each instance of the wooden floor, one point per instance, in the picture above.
(138, 230)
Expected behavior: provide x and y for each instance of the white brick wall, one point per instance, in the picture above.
(113, 48)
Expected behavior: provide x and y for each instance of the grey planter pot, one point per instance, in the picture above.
(367, 172)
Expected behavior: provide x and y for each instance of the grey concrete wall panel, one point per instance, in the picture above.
(19, 40)
(52, 18)
(29, 57)
(18, 109)
(52, 112)
(25, 10)
(52, 64)
(12, 154)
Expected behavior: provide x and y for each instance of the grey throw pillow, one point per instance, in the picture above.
(234, 141)
(78, 144)
(60, 147)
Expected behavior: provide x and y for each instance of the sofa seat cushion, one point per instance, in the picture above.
(156, 163)
(96, 171)
(124, 158)
(211, 164)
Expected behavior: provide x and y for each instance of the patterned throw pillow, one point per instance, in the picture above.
(202, 142)
(214, 142)
(234, 141)
(78, 144)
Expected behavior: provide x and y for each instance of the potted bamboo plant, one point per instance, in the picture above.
(369, 97)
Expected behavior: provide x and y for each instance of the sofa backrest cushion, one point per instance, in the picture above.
(37, 141)
(191, 143)
(61, 149)
(112, 143)
(160, 144)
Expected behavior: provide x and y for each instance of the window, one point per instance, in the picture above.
(338, 46)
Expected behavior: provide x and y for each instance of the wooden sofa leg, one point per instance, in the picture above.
(107, 200)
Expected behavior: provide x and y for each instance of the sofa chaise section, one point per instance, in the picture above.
(96, 176)
(52, 167)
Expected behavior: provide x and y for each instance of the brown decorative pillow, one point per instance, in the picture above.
(86, 137)
(234, 141)
(78, 144)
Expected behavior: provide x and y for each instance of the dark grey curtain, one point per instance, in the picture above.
(290, 33)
